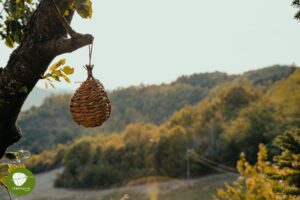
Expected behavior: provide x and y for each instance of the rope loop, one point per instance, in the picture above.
(89, 67)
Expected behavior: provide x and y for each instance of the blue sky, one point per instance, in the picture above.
(150, 42)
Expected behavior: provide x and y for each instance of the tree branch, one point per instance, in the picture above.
(44, 39)
(64, 45)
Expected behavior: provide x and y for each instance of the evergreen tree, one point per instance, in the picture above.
(288, 163)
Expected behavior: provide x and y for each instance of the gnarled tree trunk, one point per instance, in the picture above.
(45, 37)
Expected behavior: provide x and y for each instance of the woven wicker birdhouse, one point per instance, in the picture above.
(90, 106)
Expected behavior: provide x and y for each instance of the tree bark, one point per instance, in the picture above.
(45, 37)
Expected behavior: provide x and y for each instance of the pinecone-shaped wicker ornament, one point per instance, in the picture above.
(90, 106)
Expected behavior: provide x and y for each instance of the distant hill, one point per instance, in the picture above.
(38, 95)
(51, 123)
(155, 103)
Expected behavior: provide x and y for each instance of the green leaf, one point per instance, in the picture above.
(9, 41)
(55, 77)
(23, 89)
(68, 70)
(64, 6)
(84, 8)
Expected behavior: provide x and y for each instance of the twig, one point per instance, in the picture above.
(10, 198)
(64, 22)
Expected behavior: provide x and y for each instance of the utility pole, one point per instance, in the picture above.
(188, 173)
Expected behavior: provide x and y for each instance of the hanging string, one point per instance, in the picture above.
(90, 67)
(90, 53)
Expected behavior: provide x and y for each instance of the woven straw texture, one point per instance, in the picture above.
(90, 106)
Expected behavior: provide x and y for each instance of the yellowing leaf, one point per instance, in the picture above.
(58, 64)
(13, 167)
(68, 70)
(66, 13)
(3, 181)
(4, 170)
(46, 76)
(57, 73)
(66, 78)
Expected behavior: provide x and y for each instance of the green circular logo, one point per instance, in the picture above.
(20, 182)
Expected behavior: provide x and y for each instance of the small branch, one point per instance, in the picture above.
(10, 198)
(64, 22)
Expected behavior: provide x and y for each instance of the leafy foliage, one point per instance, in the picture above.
(266, 180)
(48, 125)
(296, 3)
(253, 182)
(15, 15)
(46, 160)
(103, 161)
(14, 19)
(57, 71)
(82, 7)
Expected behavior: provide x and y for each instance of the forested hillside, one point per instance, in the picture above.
(47, 125)
(236, 118)
(235, 115)
(51, 123)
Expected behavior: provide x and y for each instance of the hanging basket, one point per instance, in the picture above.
(90, 106)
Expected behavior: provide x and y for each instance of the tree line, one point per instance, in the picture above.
(50, 124)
